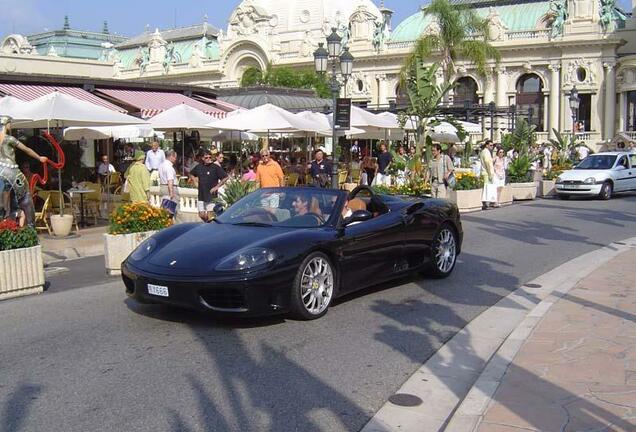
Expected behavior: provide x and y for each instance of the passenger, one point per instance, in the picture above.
(301, 205)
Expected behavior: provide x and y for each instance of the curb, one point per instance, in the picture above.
(455, 386)
(72, 253)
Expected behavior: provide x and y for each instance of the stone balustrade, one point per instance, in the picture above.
(187, 211)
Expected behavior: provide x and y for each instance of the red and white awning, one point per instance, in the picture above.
(29, 92)
(151, 103)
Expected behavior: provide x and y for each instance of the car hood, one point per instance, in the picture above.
(582, 174)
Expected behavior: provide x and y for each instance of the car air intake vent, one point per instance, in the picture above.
(229, 299)
(572, 182)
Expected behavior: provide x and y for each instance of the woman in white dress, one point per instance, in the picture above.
(500, 165)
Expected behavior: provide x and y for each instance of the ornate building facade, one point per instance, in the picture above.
(547, 48)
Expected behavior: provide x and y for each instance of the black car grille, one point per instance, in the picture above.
(573, 182)
(224, 298)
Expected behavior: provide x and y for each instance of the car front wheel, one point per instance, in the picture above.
(313, 287)
(443, 252)
(606, 191)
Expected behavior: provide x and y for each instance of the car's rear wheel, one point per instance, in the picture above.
(314, 287)
(443, 252)
(606, 191)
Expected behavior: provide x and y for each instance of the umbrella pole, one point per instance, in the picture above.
(182, 153)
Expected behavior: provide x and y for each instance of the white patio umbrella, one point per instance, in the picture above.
(14, 108)
(229, 135)
(62, 110)
(265, 119)
(106, 132)
(181, 118)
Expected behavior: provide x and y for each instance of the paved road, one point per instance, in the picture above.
(81, 357)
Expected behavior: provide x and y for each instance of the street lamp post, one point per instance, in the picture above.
(575, 101)
(336, 54)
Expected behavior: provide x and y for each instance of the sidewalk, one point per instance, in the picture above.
(88, 242)
(575, 371)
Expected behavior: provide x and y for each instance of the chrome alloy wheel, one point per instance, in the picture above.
(316, 285)
(446, 250)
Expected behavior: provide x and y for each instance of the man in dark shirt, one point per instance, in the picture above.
(320, 170)
(208, 177)
(384, 160)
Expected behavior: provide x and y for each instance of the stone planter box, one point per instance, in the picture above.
(21, 272)
(524, 191)
(466, 200)
(118, 247)
(506, 196)
(545, 189)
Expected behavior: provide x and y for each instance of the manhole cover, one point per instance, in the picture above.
(532, 285)
(405, 400)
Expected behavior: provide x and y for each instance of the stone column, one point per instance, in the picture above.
(610, 101)
(489, 87)
(382, 92)
(501, 98)
(555, 96)
(622, 115)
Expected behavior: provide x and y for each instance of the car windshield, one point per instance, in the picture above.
(597, 162)
(285, 207)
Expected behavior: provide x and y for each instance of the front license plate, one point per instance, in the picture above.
(158, 290)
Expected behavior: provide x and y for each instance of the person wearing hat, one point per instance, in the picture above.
(11, 178)
(138, 179)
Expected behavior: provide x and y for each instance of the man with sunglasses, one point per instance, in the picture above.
(208, 177)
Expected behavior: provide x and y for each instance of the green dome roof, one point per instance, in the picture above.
(517, 17)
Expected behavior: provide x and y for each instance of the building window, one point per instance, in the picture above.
(465, 92)
(631, 111)
(530, 99)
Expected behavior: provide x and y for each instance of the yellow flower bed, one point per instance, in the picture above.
(138, 217)
(468, 181)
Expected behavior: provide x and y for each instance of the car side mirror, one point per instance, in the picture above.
(218, 209)
(358, 216)
(619, 168)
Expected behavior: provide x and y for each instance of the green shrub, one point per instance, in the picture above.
(236, 189)
(14, 237)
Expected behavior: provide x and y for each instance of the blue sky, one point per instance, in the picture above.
(129, 17)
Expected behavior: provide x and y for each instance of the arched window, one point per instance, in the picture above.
(401, 97)
(465, 91)
(530, 99)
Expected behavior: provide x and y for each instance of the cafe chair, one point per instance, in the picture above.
(41, 217)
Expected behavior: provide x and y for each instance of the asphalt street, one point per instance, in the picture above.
(81, 357)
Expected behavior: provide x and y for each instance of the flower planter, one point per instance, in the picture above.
(21, 272)
(61, 225)
(118, 247)
(466, 200)
(524, 191)
(506, 195)
(545, 189)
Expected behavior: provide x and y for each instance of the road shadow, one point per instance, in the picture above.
(17, 408)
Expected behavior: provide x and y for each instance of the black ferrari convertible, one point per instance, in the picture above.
(293, 250)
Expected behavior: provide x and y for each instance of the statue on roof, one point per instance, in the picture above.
(345, 32)
(559, 13)
(608, 14)
(171, 57)
(143, 59)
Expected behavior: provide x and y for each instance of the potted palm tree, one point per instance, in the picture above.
(21, 263)
(519, 173)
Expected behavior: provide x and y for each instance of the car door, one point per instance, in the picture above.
(371, 251)
(632, 171)
(622, 174)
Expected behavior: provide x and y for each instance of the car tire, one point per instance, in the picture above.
(564, 197)
(443, 252)
(606, 191)
(314, 287)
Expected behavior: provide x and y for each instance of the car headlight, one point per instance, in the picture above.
(144, 249)
(559, 179)
(248, 259)
(589, 180)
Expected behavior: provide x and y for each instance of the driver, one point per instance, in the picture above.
(300, 205)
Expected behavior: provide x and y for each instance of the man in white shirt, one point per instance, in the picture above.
(154, 158)
(168, 176)
(583, 151)
(104, 169)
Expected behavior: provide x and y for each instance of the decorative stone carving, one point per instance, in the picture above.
(246, 18)
(608, 14)
(143, 59)
(362, 24)
(527, 66)
(359, 84)
(52, 52)
(304, 16)
(17, 44)
(308, 45)
(496, 26)
(573, 74)
(157, 47)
